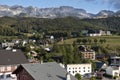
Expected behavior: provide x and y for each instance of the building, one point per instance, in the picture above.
(113, 70)
(45, 71)
(79, 68)
(9, 60)
(95, 33)
(115, 61)
(7, 44)
(101, 66)
(88, 55)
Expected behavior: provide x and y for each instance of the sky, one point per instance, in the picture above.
(91, 6)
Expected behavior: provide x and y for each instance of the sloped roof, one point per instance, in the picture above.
(46, 71)
(99, 65)
(8, 57)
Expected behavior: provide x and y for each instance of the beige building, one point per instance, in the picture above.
(88, 55)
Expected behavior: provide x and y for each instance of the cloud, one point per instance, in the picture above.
(113, 3)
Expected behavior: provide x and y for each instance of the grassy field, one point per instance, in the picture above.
(110, 40)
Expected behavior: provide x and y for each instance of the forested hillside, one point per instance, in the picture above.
(14, 26)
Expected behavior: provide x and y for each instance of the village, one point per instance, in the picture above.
(22, 60)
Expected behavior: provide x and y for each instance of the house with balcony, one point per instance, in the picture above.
(9, 60)
(87, 54)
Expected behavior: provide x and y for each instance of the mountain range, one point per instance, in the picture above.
(60, 12)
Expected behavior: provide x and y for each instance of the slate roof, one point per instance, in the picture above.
(99, 65)
(46, 71)
(8, 57)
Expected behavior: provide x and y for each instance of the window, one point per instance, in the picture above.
(69, 68)
(1, 76)
(83, 67)
(84, 70)
(2, 68)
(8, 76)
(88, 67)
(73, 72)
(9, 68)
(88, 70)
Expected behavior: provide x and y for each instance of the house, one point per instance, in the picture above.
(101, 57)
(114, 68)
(86, 52)
(45, 71)
(9, 60)
(115, 61)
(101, 66)
(88, 55)
(113, 71)
(33, 56)
(6, 44)
(95, 33)
(79, 68)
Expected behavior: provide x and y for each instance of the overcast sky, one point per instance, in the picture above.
(91, 6)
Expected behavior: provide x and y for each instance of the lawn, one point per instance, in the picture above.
(110, 40)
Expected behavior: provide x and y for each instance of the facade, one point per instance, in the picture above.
(7, 44)
(9, 60)
(88, 55)
(113, 70)
(79, 68)
(115, 61)
(6, 72)
(45, 71)
(95, 32)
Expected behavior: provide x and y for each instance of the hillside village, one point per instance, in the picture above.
(25, 59)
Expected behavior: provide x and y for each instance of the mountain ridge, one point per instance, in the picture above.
(54, 12)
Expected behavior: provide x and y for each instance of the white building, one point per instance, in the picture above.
(113, 70)
(82, 69)
(115, 61)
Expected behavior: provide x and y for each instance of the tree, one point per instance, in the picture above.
(101, 41)
(84, 41)
(79, 41)
(95, 41)
(78, 76)
(89, 40)
(104, 40)
(92, 78)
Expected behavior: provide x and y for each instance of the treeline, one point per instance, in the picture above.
(14, 26)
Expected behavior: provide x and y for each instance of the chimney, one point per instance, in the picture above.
(68, 76)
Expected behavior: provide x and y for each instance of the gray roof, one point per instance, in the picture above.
(46, 71)
(8, 57)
